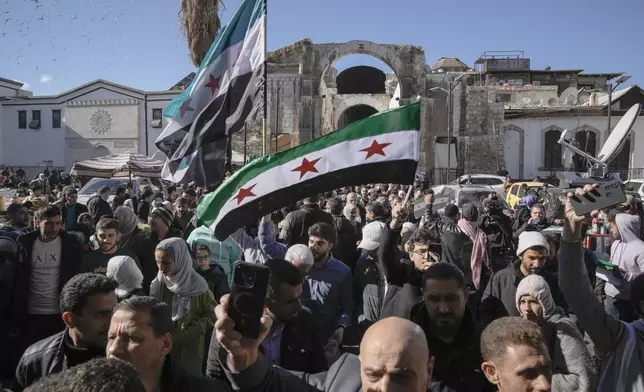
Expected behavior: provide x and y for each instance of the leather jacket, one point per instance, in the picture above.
(437, 224)
(42, 359)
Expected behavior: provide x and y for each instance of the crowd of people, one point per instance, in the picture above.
(364, 294)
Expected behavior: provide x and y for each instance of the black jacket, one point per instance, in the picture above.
(78, 209)
(72, 252)
(499, 296)
(457, 366)
(300, 348)
(297, 223)
(98, 207)
(51, 355)
(176, 379)
(346, 248)
(531, 227)
(368, 291)
(217, 281)
(41, 359)
(404, 279)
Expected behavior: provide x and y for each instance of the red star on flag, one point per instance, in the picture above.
(375, 149)
(185, 107)
(244, 193)
(213, 84)
(306, 166)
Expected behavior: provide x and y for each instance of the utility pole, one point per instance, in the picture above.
(277, 116)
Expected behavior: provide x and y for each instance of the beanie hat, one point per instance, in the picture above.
(529, 239)
(163, 213)
(537, 287)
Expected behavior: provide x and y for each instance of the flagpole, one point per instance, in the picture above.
(245, 140)
(277, 116)
(264, 120)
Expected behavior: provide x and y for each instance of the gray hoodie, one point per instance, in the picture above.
(620, 345)
(627, 253)
(573, 368)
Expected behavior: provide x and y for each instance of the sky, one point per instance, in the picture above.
(56, 45)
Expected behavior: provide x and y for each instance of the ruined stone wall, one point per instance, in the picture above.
(480, 145)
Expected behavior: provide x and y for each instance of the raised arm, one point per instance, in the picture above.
(267, 241)
(604, 330)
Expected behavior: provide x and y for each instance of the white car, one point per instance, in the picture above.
(459, 195)
(635, 185)
(494, 181)
(95, 183)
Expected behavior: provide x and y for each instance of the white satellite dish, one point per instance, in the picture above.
(553, 101)
(619, 134)
(583, 98)
(563, 98)
(526, 100)
(571, 99)
(614, 142)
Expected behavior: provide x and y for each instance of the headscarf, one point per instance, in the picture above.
(126, 273)
(479, 242)
(528, 201)
(536, 287)
(128, 222)
(129, 204)
(185, 282)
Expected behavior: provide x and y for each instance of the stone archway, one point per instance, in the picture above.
(355, 113)
(100, 151)
(513, 150)
(343, 103)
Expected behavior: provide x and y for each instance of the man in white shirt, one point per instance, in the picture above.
(48, 259)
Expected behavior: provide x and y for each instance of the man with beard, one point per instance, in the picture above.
(48, 259)
(119, 197)
(182, 214)
(451, 331)
(537, 221)
(293, 342)
(329, 286)
(107, 235)
(499, 296)
(86, 303)
(18, 215)
(70, 208)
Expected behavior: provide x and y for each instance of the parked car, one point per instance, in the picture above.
(635, 185)
(138, 183)
(518, 190)
(494, 181)
(459, 195)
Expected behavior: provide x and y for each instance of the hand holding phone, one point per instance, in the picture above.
(247, 297)
(242, 351)
(599, 197)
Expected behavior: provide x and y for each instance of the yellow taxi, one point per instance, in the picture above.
(518, 190)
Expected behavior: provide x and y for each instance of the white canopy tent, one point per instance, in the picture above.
(119, 165)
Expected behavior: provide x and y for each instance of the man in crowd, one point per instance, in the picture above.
(345, 250)
(18, 215)
(499, 296)
(292, 342)
(182, 214)
(70, 208)
(619, 344)
(49, 258)
(119, 197)
(537, 221)
(368, 282)
(296, 224)
(627, 253)
(107, 235)
(451, 330)
(140, 333)
(97, 375)
(515, 356)
(403, 279)
(86, 303)
(393, 357)
(222, 253)
(97, 204)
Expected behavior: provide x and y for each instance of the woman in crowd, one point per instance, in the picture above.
(572, 365)
(193, 304)
(131, 234)
(126, 273)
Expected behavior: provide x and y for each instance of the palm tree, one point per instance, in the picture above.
(200, 22)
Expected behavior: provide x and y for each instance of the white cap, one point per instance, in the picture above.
(372, 236)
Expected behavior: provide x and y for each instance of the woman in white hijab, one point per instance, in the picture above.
(193, 304)
(126, 273)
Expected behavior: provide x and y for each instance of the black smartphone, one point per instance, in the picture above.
(247, 297)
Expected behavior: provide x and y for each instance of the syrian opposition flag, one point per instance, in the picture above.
(226, 91)
(379, 149)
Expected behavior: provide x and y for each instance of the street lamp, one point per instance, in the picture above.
(452, 86)
(611, 87)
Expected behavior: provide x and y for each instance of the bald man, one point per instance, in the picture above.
(393, 357)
